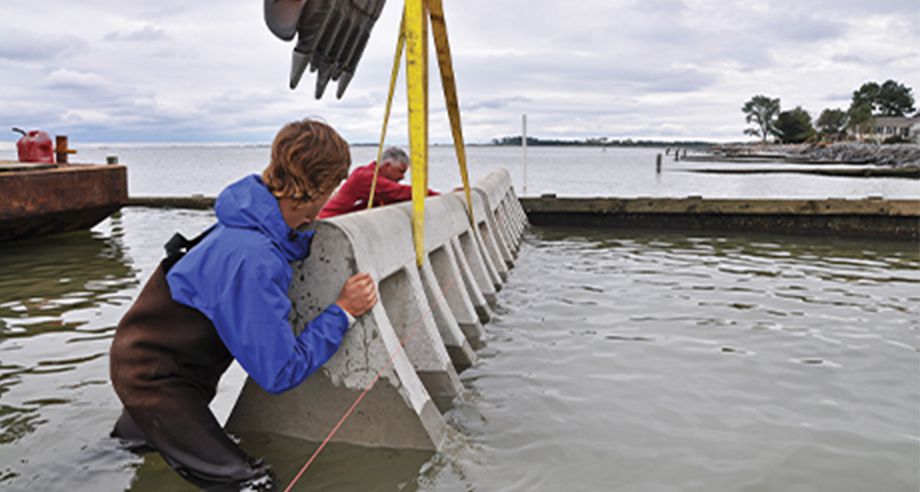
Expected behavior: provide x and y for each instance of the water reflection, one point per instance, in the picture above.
(756, 248)
(43, 278)
(53, 292)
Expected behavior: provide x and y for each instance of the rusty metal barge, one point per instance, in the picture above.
(41, 199)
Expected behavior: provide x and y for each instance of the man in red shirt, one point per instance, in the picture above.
(354, 193)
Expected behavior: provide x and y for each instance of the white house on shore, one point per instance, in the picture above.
(885, 127)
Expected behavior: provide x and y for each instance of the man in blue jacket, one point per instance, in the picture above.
(226, 298)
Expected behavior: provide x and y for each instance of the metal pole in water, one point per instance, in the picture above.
(524, 148)
(658, 164)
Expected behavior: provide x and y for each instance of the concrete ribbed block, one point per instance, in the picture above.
(436, 311)
(457, 225)
(453, 227)
(519, 209)
(403, 298)
(398, 412)
(444, 266)
(513, 222)
(505, 237)
(513, 233)
(495, 186)
(384, 237)
(470, 251)
(458, 347)
(501, 225)
(513, 206)
(497, 272)
(493, 274)
(483, 311)
(494, 243)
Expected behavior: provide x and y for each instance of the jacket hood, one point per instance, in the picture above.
(248, 204)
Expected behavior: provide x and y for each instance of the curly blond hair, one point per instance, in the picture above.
(309, 158)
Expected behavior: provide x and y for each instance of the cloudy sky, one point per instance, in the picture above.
(210, 71)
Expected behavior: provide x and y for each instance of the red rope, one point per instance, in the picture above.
(354, 405)
(341, 421)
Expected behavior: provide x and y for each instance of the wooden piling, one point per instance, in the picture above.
(60, 149)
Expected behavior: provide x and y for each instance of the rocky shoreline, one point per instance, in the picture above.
(892, 155)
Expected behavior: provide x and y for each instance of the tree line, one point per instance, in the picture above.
(871, 100)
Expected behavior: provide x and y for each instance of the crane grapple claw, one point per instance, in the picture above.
(331, 36)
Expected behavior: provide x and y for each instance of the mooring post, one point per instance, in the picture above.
(524, 148)
(60, 149)
(658, 164)
(676, 154)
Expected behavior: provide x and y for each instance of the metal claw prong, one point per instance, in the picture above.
(299, 62)
(322, 80)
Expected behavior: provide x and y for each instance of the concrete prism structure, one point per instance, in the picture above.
(424, 329)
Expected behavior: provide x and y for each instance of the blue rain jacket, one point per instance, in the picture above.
(239, 276)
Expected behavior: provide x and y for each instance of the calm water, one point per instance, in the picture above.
(621, 172)
(619, 360)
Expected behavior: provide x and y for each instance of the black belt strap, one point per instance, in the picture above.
(178, 246)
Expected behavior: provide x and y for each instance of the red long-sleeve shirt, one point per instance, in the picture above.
(354, 193)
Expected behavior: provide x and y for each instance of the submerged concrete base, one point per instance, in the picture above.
(397, 412)
(383, 419)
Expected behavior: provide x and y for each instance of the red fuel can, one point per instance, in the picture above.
(35, 146)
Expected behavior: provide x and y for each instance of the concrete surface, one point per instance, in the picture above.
(428, 322)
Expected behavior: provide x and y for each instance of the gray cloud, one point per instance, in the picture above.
(175, 70)
(805, 27)
(145, 33)
(495, 103)
(28, 46)
(67, 79)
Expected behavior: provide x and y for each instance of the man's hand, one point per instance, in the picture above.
(359, 294)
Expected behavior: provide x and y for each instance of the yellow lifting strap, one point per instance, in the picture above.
(416, 75)
(400, 43)
(413, 35)
(439, 31)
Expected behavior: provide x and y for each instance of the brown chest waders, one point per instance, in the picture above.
(165, 362)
